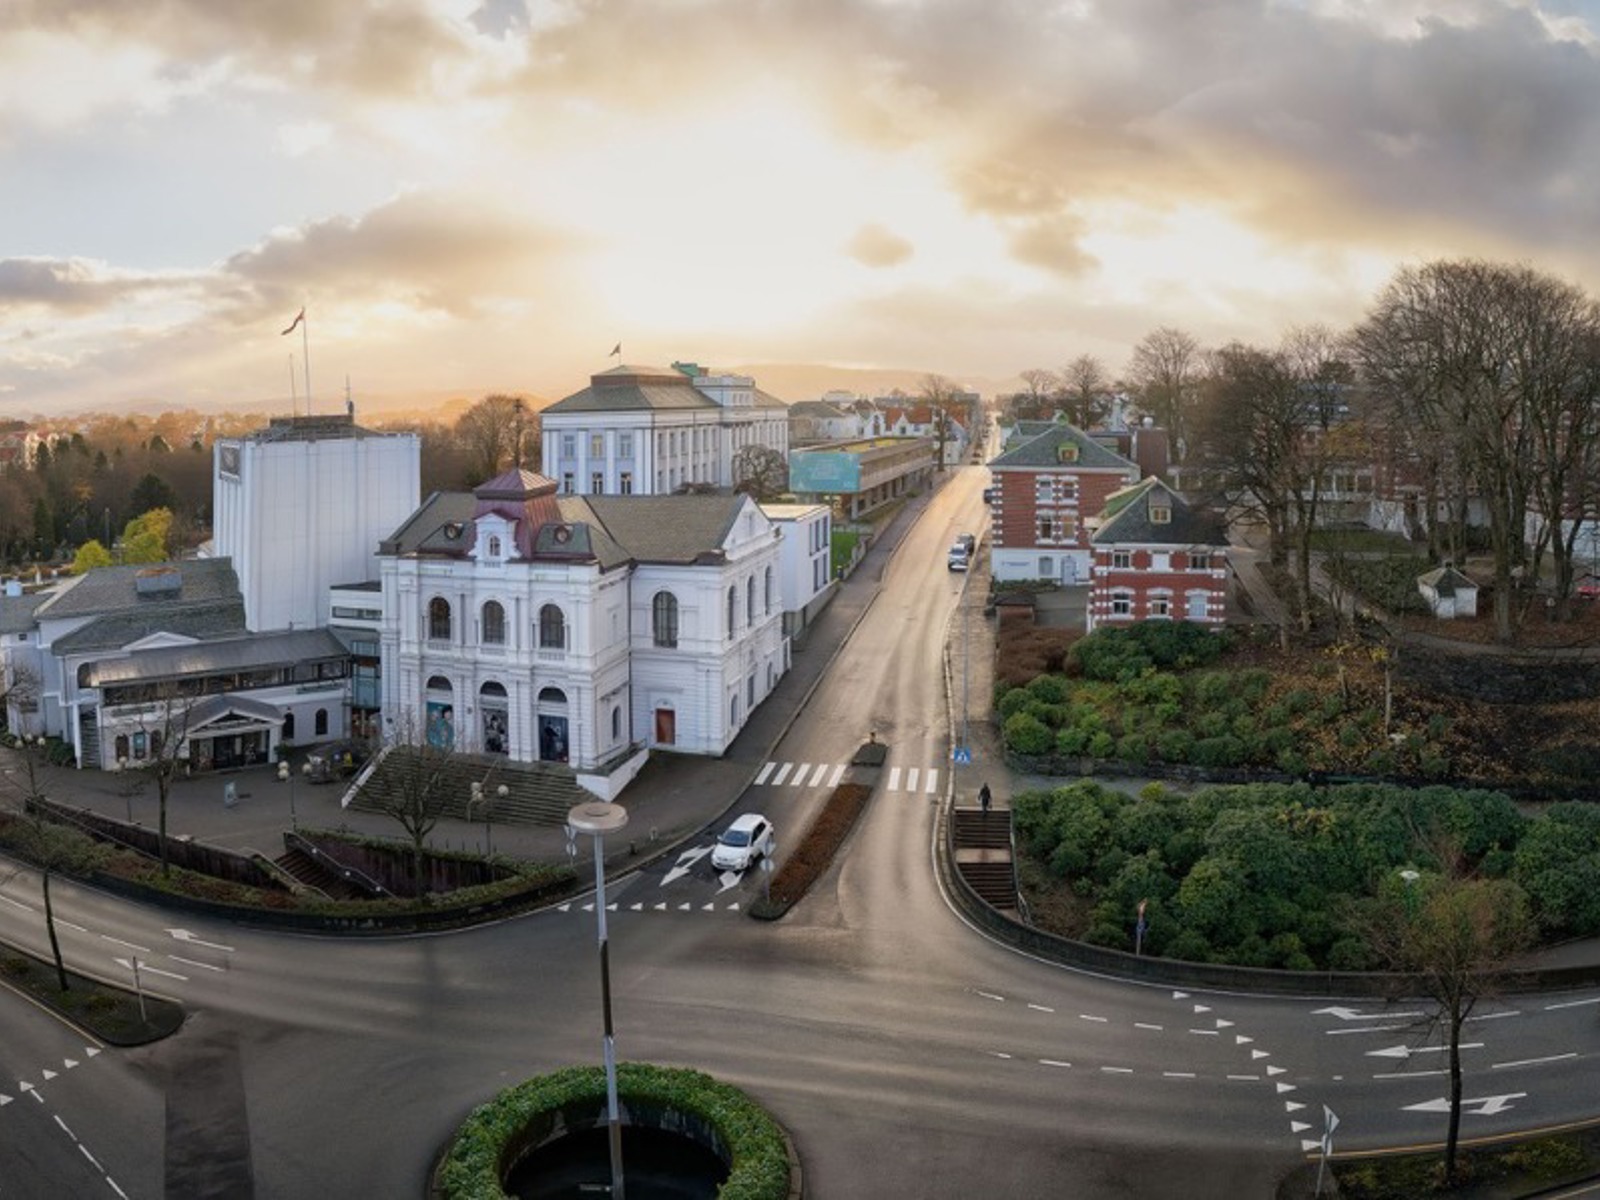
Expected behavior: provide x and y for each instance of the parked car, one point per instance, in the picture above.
(991, 494)
(743, 844)
(968, 542)
(958, 559)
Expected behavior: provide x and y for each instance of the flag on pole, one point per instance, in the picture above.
(616, 351)
(298, 318)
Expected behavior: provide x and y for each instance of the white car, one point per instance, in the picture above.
(743, 844)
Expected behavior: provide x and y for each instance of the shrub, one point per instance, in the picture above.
(1026, 734)
(1072, 741)
(1175, 745)
(1133, 748)
(1101, 745)
(1013, 702)
(1224, 751)
(1051, 689)
(1213, 689)
(1298, 701)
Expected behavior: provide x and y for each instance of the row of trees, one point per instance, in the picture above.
(1473, 386)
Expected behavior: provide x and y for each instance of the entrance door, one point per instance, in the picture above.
(666, 727)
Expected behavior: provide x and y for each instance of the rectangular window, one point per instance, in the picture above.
(597, 483)
(1122, 560)
(1121, 604)
(1160, 514)
(566, 482)
(1160, 606)
(1042, 492)
(1047, 529)
(624, 445)
(1199, 562)
(597, 445)
(569, 445)
(1160, 560)
(625, 483)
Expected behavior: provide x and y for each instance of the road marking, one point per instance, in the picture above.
(999, 1054)
(1496, 1016)
(1534, 1062)
(1053, 1062)
(17, 904)
(1147, 1025)
(64, 1128)
(1364, 1029)
(1246, 1078)
(800, 775)
(894, 779)
(1404, 1051)
(1572, 1003)
(685, 864)
(1285, 1087)
(1117, 1070)
(189, 962)
(783, 772)
(1408, 1074)
(1206, 1032)
(1088, 1017)
(1041, 1008)
(1177, 1074)
(149, 970)
(990, 996)
(765, 771)
(911, 780)
(838, 774)
(1292, 1106)
(933, 781)
(1299, 1126)
(91, 1158)
(1491, 1104)
(183, 935)
(1351, 1014)
(70, 925)
(818, 775)
(129, 945)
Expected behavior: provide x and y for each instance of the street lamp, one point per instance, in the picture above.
(1410, 877)
(599, 818)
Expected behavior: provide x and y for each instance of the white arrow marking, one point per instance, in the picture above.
(1292, 1106)
(709, 906)
(589, 907)
(1351, 1014)
(1408, 1051)
(734, 907)
(685, 907)
(1200, 1008)
(23, 1086)
(1254, 1054)
(611, 908)
(1271, 1071)
(90, 1051)
(1285, 1087)
(1298, 1126)
(1239, 1039)
(564, 907)
(1221, 1024)
(639, 907)
(662, 907)
(685, 863)
(69, 1063)
(1180, 995)
(729, 879)
(1309, 1144)
(48, 1074)
(183, 935)
(1490, 1104)
(189, 962)
(4, 1099)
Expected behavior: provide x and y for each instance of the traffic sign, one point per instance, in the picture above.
(963, 754)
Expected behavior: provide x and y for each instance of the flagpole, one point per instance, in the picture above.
(305, 356)
(294, 398)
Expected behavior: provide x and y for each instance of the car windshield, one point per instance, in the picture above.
(735, 837)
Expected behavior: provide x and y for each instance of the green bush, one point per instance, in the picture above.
(1175, 745)
(1133, 748)
(1224, 751)
(1013, 702)
(1101, 745)
(758, 1161)
(1073, 741)
(1026, 734)
(1051, 689)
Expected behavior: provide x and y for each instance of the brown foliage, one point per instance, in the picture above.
(1024, 651)
(815, 853)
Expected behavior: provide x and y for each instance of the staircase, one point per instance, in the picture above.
(982, 842)
(536, 793)
(311, 874)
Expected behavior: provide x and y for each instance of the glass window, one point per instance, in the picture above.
(494, 547)
(616, 723)
(733, 609)
(1121, 603)
(288, 727)
(750, 600)
(1047, 529)
(566, 482)
(1160, 606)
(624, 445)
(552, 628)
(597, 483)
(664, 619)
(597, 445)
(439, 619)
(769, 589)
(1160, 514)
(625, 483)
(1121, 560)
(494, 624)
(321, 722)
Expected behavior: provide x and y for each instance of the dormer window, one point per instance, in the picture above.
(1067, 452)
(1160, 513)
(494, 546)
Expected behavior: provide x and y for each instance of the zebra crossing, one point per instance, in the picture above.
(922, 781)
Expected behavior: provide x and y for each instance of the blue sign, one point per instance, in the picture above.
(963, 754)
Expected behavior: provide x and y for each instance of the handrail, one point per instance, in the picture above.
(327, 862)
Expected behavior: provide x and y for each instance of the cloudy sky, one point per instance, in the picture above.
(480, 195)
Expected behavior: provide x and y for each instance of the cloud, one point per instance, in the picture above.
(874, 246)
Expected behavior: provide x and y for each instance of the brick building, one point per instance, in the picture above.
(1155, 558)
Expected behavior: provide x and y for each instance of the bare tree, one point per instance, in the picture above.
(163, 723)
(1042, 385)
(493, 432)
(416, 790)
(1165, 369)
(1452, 934)
(1085, 381)
(940, 394)
(761, 471)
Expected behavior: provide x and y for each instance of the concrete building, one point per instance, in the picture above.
(861, 476)
(805, 583)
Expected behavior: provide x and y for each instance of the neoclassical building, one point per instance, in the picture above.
(649, 431)
(579, 629)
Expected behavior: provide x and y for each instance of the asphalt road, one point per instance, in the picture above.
(908, 1055)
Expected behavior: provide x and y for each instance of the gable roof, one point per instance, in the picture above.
(1041, 447)
(16, 612)
(669, 529)
(214, 619)
(1447, 581)
(1125, 520)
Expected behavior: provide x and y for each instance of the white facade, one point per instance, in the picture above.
(302, 506)
(577, 630)
(804, 557)
(642, 431)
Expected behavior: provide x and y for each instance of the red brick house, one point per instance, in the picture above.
(1050, 483)
(1155, 558)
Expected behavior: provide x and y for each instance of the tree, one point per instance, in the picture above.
(417, 792)
(151, 492)
(90, 555)
(1165, 368)
(1042, 385)
(493, 432)
(1452, 933)
(760, 471)
(942, 396)
(1085, 381)
(164, 722)
(144, 539)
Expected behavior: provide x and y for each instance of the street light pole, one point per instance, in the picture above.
(599, 818)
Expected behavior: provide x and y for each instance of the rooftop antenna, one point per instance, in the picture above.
(349, 401)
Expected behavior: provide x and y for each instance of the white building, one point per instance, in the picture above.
(582, 630)
(648, 431)
(805, 583)
(302, 505)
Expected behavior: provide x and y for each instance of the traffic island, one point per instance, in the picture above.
(541, 1136)
(113, 1015)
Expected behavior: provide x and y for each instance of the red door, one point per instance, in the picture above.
(666, 727)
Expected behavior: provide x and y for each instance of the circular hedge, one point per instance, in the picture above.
(496, 1134)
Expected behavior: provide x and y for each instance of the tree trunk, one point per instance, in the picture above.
(50, 925)
(163, 786)
(1453, 1137)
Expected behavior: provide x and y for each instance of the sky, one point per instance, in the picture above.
(470, 196)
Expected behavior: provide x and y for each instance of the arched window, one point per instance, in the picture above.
(616, 723)
(664, 619)
(322, 722)
(750, 601)
(288, 727)
(494, 624)
(769, 591)
(733, 603)
(439, 619)
(552, 628)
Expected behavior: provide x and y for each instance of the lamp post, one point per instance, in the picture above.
(1410, 877)
(599, 818)
(500, 793)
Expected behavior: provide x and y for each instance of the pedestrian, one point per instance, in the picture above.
(983, 797)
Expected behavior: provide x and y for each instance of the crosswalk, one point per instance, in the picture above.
(922, 781)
